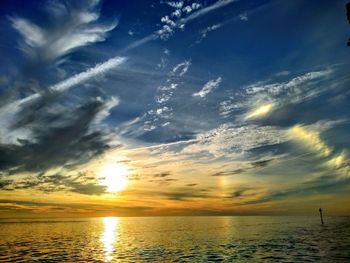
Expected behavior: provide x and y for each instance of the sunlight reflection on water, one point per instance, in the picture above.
(109, 236)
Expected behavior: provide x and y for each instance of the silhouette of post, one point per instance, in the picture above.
(348, 16)
(320, 210)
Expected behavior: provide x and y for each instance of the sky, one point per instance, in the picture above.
(160, 108)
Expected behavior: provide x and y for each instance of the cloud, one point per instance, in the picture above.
(164, 174)
(290, 85)
(243, 17)
(60, 138)
(262, 97)
(177, 5)
(309, 137)
(179, 22)
(208, 87)
(184, 195)
(322, 184)
(247, 166)
(72, 26)
(181, 68)
(82, 77)
(79, 183)
(10, 130)
(206, 10)
(159, 117)
(190, 8)
(229, 139)
(209, 29)
(244, 192)
(261, 111)
(105, 111)
(65, 209)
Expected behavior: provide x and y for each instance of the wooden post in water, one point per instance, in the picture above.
(321, 215)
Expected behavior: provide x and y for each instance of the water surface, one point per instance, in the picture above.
(176, 239)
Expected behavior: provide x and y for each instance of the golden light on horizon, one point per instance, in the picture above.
(260, 111)
(114, 176)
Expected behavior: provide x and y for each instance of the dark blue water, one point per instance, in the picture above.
(176, 239)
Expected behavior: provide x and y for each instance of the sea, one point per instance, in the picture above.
(176, 239)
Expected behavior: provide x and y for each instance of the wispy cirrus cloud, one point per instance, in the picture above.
(184, 14)
(72, 25)
(228, 139)
(266, 96)
(208, 88)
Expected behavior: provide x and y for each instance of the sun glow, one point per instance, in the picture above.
(260, 111)
(115, 177)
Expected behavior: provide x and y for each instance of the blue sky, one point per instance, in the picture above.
(239, 102)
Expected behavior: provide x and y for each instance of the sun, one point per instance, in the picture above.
(114, 177)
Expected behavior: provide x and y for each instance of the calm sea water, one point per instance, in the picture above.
(176, 239)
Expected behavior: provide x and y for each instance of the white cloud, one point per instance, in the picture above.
(208, 87)
(177, 13)
(210, 28)
(163, 112)
(282, 73)
(187, 9)
(72, 28)
(174, 4)
(277, 88)
(167, 20)
(279, 94)
(182, 68)
(243, 17)
(228, 139)
(170, 26)
(99, 69)
(105, 111)
(196, 6)
(160, 116)
(206, 10)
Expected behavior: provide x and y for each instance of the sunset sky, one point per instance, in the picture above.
(142, 108)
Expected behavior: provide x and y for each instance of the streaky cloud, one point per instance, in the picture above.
(72, 26)
(99, 69)
(208, 88)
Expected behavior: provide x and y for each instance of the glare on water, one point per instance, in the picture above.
(109, 236)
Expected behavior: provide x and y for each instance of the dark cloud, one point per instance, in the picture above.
(244, 192)
(163, 181)
(249, 166)
(259, 164)
(239, 192)
(9, 204)
(227, 173)
(5, 183)
(52, 129)
(164, 174)
(184, 195)
(87, 189)
(80, 183)
(59, 138)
